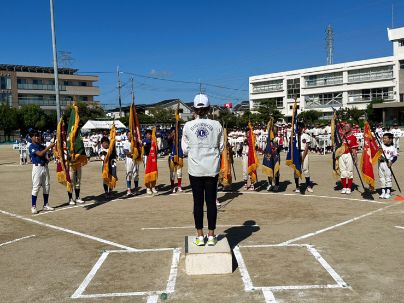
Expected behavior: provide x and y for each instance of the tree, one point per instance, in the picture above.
(162, 115)
(87, 111)
(8, 119)
(372, 114)
(32, 116)
(267, 109)
(355, 114)
(310, 116)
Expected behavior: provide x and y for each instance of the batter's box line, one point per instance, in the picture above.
(248, 284)
(170, 287)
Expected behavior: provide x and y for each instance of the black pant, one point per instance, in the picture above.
(204, 188)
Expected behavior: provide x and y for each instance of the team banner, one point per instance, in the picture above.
(225, 164)
(109, 172)
(293, 158)
(252, 155)
(178, 155)
(75, 147)
(270, 163)
(151, 173)
(370, 155)
(338, 149)
(134, 130)
(62, 168)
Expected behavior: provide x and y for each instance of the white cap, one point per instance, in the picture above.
(201, 101)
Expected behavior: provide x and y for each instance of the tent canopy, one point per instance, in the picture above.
(95, 124)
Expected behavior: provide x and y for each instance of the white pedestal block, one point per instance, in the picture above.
(208, 260)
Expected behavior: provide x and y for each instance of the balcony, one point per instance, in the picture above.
(29, 86)
(323, 82)
(43, 102)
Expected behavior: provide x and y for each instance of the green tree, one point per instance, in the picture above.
(373, 115)
(8, 119)
(267, 109)
(162, 115)
(32, 116)
(87, 111)
(355, 114)
(310, 116)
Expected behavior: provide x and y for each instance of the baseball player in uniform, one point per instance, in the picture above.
(387, 159)
(305, 140)
(175, 170)
(397, 133)
(40, 170)
(132, 167)
(346, 163)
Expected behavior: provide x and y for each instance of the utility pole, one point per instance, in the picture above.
(55, 62)
(133, 91)
(119, 91)
(330, 44)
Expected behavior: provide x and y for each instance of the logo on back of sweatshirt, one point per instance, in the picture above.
(202, 132)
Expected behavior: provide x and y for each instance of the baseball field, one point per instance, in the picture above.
(287, 247)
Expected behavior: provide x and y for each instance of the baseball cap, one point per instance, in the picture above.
(201, 101)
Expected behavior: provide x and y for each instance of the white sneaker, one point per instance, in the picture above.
(149, 192)
(48, 208)
(174, 190)
(154, 190)
(348, 191)
(212, 240)
(128, 193)
(310, 190)
(343, 191)
(199, 241)
(218, 203)
(179, 189)
(297, 190)
(33, 210)
(269, 187)
(71, 202)
(382, 196)
(78, 200)
(387, 196)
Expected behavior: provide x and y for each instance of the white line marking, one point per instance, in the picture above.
(62, 208)
(327, 266)
(173, 271)
(295, 287)
(141, 250)
(192, 226)
(90, 276)
(69, 231)
(273, 245)
(269, 296)
(152, 299)
(9, 242)
(245, 276)
(336, 225)
(401, 227)
(120, 294)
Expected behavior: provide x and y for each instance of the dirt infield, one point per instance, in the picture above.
(288, 247)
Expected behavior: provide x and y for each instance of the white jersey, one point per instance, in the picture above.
(304, 140)
(389, 151)
(397, 133)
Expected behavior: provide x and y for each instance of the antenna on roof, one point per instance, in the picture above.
(330, 44)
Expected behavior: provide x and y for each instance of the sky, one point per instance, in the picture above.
(217, 43)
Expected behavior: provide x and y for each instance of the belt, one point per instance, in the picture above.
(40, 164)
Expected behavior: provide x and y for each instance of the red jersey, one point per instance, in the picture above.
(350, 142)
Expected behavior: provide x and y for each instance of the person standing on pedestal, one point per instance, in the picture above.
(203, 141)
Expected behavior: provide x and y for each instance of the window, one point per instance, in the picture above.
(5, 83)
(371, 74)
(83, 83)
(323, 79)
(401, 42)
(267, 86)
(5, 98)
(37, 82)
(324, 100)
(367, 95)
(401, 97)
(401, 64)
(293, 86)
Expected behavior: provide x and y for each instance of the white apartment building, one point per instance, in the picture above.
(350, 84)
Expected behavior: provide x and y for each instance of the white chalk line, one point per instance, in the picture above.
(69, 231)
(192, 227)
(245, 276)
(13, 241)
(61, 209)
(248, 284)
(336, 225)
(269, 296)
(152, 299)
(152, 295)
(400, 227)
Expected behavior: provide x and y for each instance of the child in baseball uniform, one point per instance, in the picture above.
(387, 159)
(132, 167)
(40, 170)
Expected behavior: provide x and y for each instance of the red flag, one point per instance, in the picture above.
(151, 173)
(370, 155)
(62, 168)
(252, 155)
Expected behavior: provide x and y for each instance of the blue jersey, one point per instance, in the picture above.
(36, 160)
